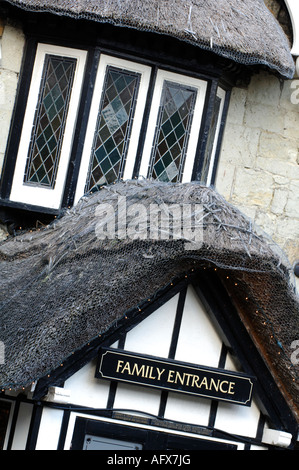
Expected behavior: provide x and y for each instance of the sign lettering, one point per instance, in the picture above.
(166, 374)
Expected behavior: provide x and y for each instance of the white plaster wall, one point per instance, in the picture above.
(198, 343)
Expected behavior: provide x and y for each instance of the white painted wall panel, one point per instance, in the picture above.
(198, 342)
(237, 419)
(49, 429)
(86, 390)
(153, 335)
(133, 397)
(22, 427)
(192, 410)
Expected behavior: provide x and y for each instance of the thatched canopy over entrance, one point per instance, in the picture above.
(66, 284)
(244, 31)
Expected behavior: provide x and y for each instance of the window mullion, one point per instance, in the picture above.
(81, 125)
(145, 121)
(205, 130)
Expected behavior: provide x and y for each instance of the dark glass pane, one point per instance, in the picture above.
(171, 139)
(210, 140)
(49, 122)
(113, 127)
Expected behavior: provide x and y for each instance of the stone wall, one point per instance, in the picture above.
(12, 45)
(259, 163)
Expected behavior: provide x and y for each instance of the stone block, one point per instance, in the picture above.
(252, 187)
(265, 117)
(249, 211)
(224, 179)
(278, 168)
(292, 205)
(264, 89)
(277, 146)
(287, 229)
(279, 201)
(236, 108)
(281, 181)
(8, 87)
(289, 98)
(239, 146)
(291, 125)
(267, 222)
(13, 42)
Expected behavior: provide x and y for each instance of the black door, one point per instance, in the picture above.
(90, 434)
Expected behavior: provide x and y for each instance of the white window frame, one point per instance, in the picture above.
(293, 9)
(51, 198)
(34, 194)
(145, 73)
(201, 87)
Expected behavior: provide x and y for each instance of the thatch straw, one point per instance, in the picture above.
(244, 31)
(62, 286)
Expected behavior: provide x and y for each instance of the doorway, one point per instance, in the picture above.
(92, 434)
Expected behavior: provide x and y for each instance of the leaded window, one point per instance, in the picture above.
(50, 119)
(92, 119)
(48, 127)
(114, 124)
(172, 134)
(113, 127)
(173, 129)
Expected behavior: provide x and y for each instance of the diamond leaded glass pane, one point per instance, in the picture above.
(171, 139)
(113, 127)
(49, 122)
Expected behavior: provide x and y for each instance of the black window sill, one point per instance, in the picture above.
(18, 215)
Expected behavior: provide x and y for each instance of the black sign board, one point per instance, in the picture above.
(166, 374)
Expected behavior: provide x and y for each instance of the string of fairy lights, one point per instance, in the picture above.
(272, 336)
(247, 298)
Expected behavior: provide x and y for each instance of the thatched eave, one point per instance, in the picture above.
(243, 31)
(64, 285)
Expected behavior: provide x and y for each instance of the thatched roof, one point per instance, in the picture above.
(64, 285)
(244, 31)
